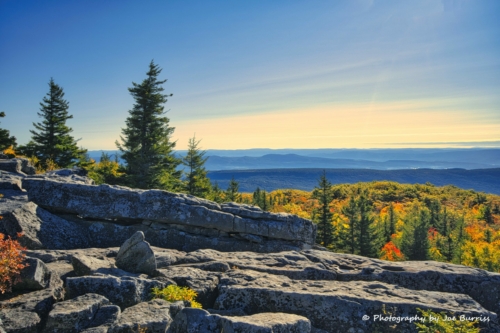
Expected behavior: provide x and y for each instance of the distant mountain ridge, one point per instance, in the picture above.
(293, 161)
(378, 159)
(485, 180)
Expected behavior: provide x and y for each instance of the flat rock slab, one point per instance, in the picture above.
(266, 323)
(122, 291)
(86, 265)
(153, 317)
(204, 283)
(334, 305)
(481, 285)
(74, 315)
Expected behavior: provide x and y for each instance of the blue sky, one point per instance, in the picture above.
(275, 74)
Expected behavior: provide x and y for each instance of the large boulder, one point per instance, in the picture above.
(136, 255)
(35, 276)
(192, 320)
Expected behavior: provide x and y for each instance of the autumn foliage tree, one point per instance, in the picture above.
(391, 252)
(11, 262)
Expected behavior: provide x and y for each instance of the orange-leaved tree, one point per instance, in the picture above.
(11, 262)
(391, 252)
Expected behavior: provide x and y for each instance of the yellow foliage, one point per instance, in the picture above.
(292, 208)
(10, 151)
(174, 293)
(50, 165)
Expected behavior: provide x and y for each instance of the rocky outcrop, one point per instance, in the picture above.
(164, 212)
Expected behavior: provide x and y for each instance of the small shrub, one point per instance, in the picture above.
(174, 293)
(443, 323)
(10, 152)
(11, 262)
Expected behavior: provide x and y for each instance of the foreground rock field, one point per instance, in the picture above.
(95, 253)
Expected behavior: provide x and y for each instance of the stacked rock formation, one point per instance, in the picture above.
(167, 219)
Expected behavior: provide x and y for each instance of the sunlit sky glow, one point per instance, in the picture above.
(275, 74)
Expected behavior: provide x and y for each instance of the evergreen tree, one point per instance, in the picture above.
(368, 237)
(351, 212)
(389, 223)
(447, 224)
(496, 209)
(5, 139)
(216, 194)
(323, 193)
(197, 182)
(415, 241)
(232, 194)
(51, 141)
(434, 207)
(485, 213)
(264, 202)
(146, 141)
(460, 240)
(259, 198)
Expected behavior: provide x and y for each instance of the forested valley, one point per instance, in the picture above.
(395, 221)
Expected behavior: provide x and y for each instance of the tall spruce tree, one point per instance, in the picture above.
(323, 193)
(196, 181)
(51, 139)
(368, 237)
(351, 237)
(5, 139)
(415, 240)
(390, 223)
(146, 141)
